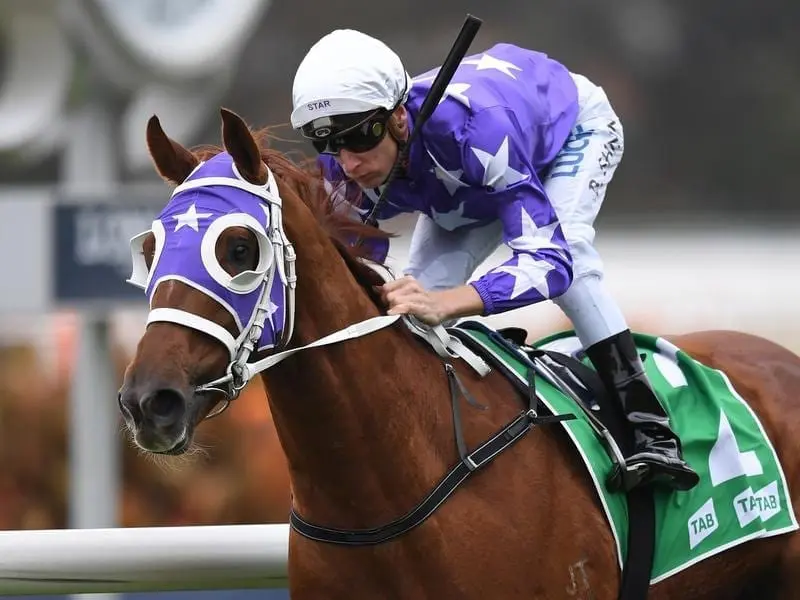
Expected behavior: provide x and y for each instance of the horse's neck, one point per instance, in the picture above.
(349, 416)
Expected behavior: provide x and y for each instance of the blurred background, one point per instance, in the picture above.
(700, 227)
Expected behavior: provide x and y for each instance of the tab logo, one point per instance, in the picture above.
(762, 504)
(702, 523)
(769, 501)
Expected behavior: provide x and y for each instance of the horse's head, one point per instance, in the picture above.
(219, 273)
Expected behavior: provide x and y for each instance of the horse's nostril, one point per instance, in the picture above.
(165, 407)
(128, 403)
(122, 408)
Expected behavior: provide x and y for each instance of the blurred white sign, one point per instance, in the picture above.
(171, 57)
(179, 39)
(37, 76)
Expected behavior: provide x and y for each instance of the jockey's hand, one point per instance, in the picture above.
(406, 296)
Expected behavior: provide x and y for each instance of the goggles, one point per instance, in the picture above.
(358, 133)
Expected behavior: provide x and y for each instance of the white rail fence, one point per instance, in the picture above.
(146, 559)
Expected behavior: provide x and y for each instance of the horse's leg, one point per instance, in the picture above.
(789, 575)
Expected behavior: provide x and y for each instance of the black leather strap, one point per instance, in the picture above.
(469, 463)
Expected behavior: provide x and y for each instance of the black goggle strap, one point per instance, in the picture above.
(315, 130)
(364, 138)
(326, 127)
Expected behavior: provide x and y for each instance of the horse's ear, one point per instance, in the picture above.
(172, 161)
(242, 146)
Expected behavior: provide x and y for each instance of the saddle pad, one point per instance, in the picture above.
(742, 494)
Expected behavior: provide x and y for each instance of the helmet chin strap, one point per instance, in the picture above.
(399, 133)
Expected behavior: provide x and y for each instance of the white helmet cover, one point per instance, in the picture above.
(347, 72)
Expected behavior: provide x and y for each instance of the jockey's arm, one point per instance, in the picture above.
(540, 267)
(497, 171)
(500, 169)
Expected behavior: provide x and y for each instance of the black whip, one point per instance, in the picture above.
(438, 87)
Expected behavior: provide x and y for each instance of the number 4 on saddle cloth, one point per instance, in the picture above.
(742, 494)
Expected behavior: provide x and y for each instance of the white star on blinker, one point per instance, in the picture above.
(273, 308)
(497, 173)
(487, 61)
(190, 218)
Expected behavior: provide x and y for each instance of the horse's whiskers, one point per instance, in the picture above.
(171, 464)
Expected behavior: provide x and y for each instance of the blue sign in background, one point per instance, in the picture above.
(91, 251)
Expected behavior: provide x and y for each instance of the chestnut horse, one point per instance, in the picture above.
(365, 424)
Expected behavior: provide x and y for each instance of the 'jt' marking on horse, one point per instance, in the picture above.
(579, 581)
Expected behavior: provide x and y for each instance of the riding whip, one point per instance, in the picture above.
(434, 95)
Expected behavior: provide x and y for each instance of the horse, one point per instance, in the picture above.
(366, 424)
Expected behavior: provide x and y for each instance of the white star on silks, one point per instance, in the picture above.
(528, 274)
(453, 219)
(497, 173)
(532, 237)
(456, 92)
(487, 61)
(190, 218)
(450, 179)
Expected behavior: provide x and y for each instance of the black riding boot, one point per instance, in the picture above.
(657, 454)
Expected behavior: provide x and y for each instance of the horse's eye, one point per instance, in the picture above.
(239, 253)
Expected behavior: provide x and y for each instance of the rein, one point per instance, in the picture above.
(444, 344)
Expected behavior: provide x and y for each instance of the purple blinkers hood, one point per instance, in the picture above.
(212, 199)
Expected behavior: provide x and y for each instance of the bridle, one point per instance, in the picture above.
(281, 269)
(237, 375)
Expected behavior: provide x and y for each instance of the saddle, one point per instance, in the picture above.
(565, 372)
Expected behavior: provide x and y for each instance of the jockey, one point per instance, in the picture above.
(519, 151)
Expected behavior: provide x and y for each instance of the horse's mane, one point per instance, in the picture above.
(305, 179)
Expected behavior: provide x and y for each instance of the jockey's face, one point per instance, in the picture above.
(371, 168)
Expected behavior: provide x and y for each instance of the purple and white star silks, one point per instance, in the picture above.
(186, 232)
(480, 157)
